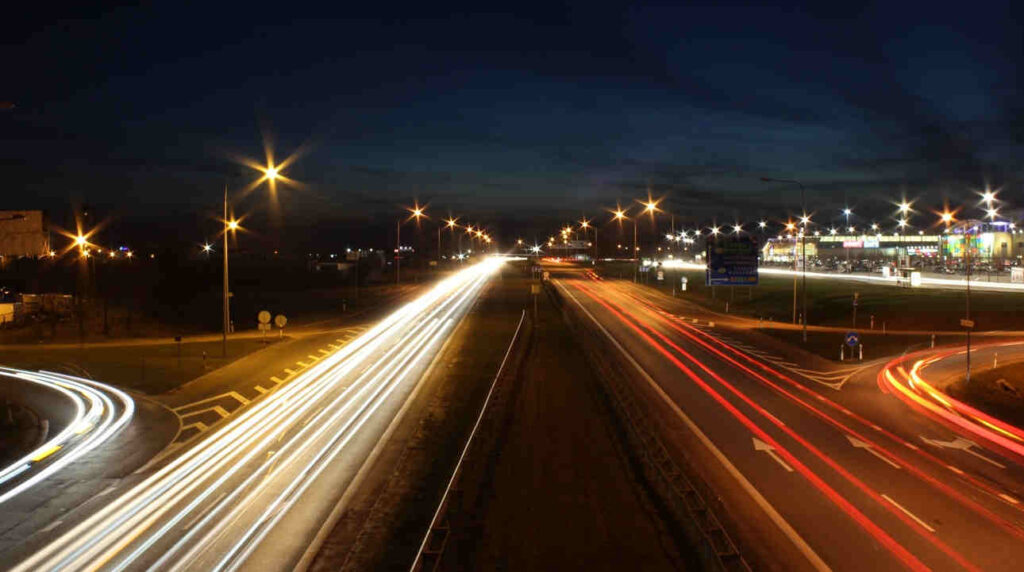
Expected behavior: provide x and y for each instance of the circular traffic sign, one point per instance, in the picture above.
(264, 317)
(852, 338)
(280, 320)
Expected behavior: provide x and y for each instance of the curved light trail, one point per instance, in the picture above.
(100, 412)
(211, 506)
(903, 377)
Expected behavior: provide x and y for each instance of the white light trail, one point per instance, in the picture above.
(256, 466)
(96, 419)
(943, 282)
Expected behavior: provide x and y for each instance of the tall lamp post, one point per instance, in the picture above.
(847, 212)
(804, 221)
(585, 224)
(904, 210)
(270, 174)
(620, 215)
(416, 213)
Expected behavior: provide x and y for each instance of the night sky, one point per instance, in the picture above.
(521, 116)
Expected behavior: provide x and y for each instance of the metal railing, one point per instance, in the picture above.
(435, 540)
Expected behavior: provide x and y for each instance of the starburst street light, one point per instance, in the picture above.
(762, 225)
(232, 224)
(737, 228)
(451, 222)
(946, 217)
(992, 213)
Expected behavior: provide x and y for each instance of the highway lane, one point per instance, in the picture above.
(855, 494)
(100, 412)
(917, 380)
(278, 468)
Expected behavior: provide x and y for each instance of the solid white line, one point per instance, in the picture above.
(744, 483)
(908, 513)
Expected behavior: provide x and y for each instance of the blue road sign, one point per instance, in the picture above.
(732, 261)
(852, 338)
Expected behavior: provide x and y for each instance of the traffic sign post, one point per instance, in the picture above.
(852, 338)
(280, 320)
(732, 261)
(264, 323)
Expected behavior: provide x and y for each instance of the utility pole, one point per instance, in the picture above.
(227, 294)
(398, 251)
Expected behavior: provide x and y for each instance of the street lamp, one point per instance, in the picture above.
(946, 218)
(804, 219)
(416, 212)
(585, 224)
(620, 215)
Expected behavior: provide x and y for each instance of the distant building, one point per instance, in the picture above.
(24, 233)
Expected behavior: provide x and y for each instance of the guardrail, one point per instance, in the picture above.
(428, 557)
(683, 495)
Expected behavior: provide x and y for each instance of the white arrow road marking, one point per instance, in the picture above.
(862, 445)
(760, 445)
(962, 444)
(908, 513)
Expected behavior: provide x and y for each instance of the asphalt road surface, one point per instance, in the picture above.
(275, 471)
(820, 476)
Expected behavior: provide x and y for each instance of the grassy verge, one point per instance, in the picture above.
(998, 392)
(876, 345)
(151, 369)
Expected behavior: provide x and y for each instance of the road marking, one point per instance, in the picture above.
(862, 445)
(313, 416)
(289, 372)
(105, 491)
(1008, 498)
(964, 445)
(203, 512)
(232, 394)
(954, 469)
(323, 351)
(333, 347)
(260, 389)
(303, 365)
(760, 445)
(313, 357)
(776, 419)
(51, 526)
(908, 513)
(216, 409)
(801, 545)
(275, 380)
(197, 425)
